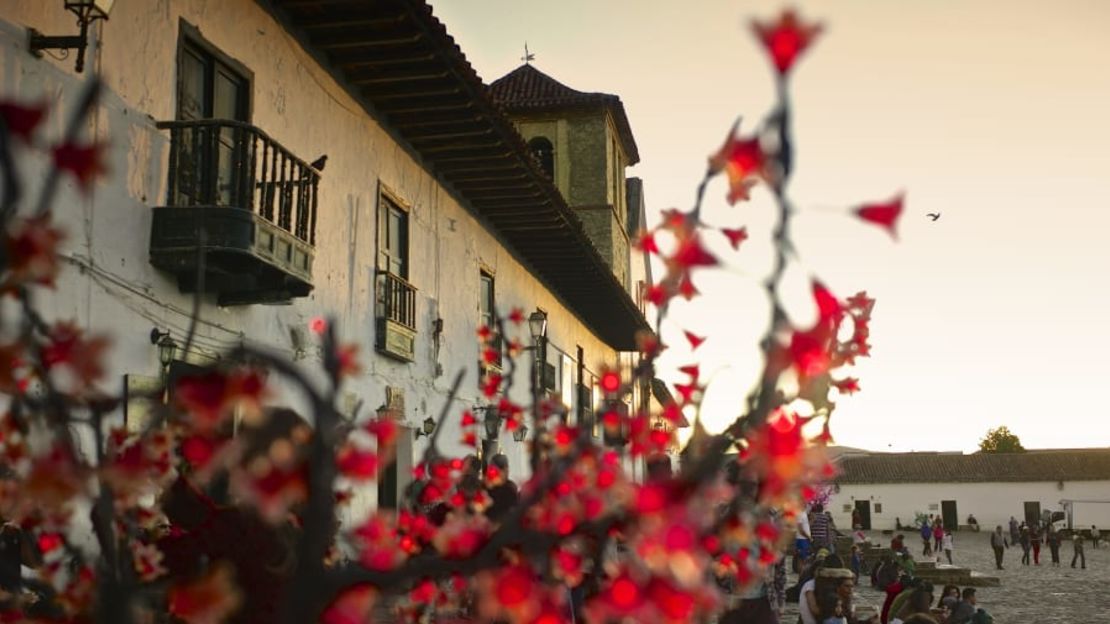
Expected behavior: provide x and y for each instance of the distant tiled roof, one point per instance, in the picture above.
(1038, 465)
(528, 89)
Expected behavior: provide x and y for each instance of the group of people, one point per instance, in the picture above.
(935, 538)
(910, 600)
(1031, 537)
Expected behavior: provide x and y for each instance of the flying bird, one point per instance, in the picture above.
(933, 215)
(319, 163)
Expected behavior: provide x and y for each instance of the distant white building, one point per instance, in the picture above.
(888, 488)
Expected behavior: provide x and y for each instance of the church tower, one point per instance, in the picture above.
(583, 142)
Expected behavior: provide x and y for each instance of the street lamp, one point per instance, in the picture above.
(87, 11)
(537, 324)
(167, 348)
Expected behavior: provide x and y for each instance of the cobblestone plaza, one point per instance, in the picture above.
(1027, 594)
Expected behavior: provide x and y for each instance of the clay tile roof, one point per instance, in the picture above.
(529, 89)
(1035, 465)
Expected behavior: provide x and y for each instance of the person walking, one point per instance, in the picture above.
(1054, 544)
(1015, 534)
(927, 537)
(1095, 536)
(1035, 543)
(998, 544)
(947, 544)
(1026, 544)
(938, 535)
(1077, 546)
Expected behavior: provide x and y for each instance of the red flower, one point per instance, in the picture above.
(347, 356)
(208, 600)
(742, 159)
(318, 325)
(690, 253)
(884, 215)
(20, 120)
(646, 242)
(656, 294)
(492, 385)
(352, 606)
(356, 463)
(32, 248)
(695, 340)
(610, 381)
(786, 39)
(692, 370)
(849, 385)
(735, 237)
(516, 316)
(70, 348)
(85, 162)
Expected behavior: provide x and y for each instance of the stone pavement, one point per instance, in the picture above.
(1028, 594)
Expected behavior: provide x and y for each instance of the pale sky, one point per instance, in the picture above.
(995, 113)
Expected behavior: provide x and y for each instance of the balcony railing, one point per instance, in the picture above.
(396, 315)
(218, 162)
(397, 301)
(240, 206)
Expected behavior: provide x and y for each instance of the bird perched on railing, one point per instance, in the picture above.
(319, 163)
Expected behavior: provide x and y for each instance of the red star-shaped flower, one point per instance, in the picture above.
(883, 214)
(785, 39)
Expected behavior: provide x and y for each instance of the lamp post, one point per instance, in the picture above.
(537, 326)
(87, 11)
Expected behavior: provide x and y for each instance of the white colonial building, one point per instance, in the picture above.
(888, 488)
(428, 214)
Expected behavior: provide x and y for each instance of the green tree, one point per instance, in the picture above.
(1000, 440)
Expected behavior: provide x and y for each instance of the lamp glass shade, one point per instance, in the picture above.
(520, 433)
(167, 349)
(537, 324)
(429, 425)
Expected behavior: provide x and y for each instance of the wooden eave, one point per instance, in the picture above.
(398, 58)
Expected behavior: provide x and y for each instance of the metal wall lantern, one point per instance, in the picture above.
(427, 427)
(167, 348)
(87, 11)
(537, 324)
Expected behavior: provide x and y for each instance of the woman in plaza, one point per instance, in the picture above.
(938, 535)
(1053, 539)
(1026, 544)
(1035, 543)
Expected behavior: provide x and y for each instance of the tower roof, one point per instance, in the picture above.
(527, 89)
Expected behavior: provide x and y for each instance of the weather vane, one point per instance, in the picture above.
(528, 56)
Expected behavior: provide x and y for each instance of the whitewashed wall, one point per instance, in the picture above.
(991, 503)
(110, 286)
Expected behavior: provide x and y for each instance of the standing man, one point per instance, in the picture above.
(998, 544)
(927, 537)
(1015, 534)
(802, 540)
(1077, 544)
(821, 528)
(1095, 535)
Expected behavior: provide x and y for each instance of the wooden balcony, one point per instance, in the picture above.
(396, 316)
(242, 205)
